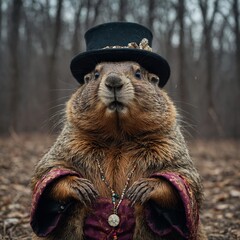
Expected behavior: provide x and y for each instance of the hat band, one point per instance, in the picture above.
(143, 45)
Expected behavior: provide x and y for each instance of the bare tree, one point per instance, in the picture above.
(52, 76)
(0, 21)
(181, 51)
(76, 33)
(0, 33)
(208, 23)
(207, 30)
(236, 29)
(122, 10)
(166, 22)
(13, 44)
(93, 7)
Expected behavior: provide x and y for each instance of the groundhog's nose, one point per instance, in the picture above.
(113, 82)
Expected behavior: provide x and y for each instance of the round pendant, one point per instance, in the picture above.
(113, 220)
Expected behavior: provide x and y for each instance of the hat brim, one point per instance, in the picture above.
(85, 62)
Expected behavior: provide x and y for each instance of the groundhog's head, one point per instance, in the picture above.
(121, 98)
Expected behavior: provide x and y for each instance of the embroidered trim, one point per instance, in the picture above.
(189, 202)
(41, 185)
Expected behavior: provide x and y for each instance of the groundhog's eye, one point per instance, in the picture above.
(96, 74)
(138, 74)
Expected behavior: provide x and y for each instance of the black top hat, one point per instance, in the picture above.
(117, 42)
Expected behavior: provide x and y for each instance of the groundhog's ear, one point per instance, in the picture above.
(154, 79)
(87, 77)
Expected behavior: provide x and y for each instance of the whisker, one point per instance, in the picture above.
(62, 89)
(58, 118)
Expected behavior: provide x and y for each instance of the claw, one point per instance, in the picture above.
(86, 197)
(138, 195)
(89, 187)
(140, 191)
(133, 189)
(91, 192)
(85, 191)
(145, 196)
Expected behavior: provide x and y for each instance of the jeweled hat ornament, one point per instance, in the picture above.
(117, 42)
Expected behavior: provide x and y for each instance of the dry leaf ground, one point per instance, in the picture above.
(217, 161)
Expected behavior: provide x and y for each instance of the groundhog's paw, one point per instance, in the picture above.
(84, 191)
(73, 187)
(141, 190)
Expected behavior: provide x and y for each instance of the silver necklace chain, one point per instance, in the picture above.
(114, 219)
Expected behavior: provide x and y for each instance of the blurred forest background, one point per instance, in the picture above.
(199, 38)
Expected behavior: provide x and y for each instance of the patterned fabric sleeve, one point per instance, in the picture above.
(46, 213)
(181, 222)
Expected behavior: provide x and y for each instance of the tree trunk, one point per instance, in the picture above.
(0, 22)
(209, 65)
(97, 8)
(122, 10)
(13, 44)
(208, 51)
(212, 118)
(1, 48)
(151, 14)
(52, 76)
(181, 53)
(94, 8)
(76, 41)
(236, 14)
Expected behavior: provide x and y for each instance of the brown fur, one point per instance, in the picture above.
(145, 133)
(164, 194)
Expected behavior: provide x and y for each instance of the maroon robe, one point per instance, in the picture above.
(182, 222)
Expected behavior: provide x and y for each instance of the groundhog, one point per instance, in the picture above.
(120, 168)
(121, 144)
